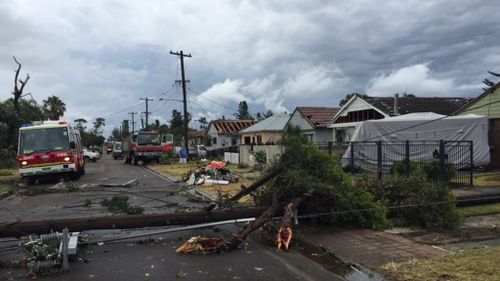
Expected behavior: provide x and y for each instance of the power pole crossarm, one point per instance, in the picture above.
(181, 55)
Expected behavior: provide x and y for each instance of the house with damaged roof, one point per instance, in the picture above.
(223, 133)
(362, 108)
(314, 121)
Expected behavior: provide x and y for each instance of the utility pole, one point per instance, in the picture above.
(181, 55)
(133, 122)
(147, 112)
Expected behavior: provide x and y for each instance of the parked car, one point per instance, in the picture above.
(90, 156)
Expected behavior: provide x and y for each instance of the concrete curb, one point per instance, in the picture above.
(170, 178)
(5, 194)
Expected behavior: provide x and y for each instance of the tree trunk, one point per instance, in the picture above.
(251, 188)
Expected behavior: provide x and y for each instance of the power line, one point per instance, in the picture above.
(219, 104)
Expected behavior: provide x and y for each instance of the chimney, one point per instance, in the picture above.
(396, 104)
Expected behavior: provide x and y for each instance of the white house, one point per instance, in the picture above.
(224, 133)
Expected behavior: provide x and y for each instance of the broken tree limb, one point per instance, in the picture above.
(284, 235)
(251, 188)
(17, 229)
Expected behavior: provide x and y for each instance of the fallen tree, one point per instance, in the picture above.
(306, 179)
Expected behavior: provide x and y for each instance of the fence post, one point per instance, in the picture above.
(407, 158)
(471, 177)
(330, 147)
(379, 159)
(442, 164)
(352, 157)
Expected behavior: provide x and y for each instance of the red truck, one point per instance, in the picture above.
(146, 147)
(49, 147)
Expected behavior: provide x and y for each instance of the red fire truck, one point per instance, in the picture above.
(146, 147)
(49, 147)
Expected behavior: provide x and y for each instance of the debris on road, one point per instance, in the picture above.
(201, 245)
(48, 253)
(120, 204)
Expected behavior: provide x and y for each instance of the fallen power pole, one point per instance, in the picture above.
(22, 228)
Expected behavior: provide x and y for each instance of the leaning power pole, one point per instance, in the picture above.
(147, 112)
(181, 55)
(133, 121)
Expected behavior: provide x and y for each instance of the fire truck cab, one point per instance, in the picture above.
(49, 147)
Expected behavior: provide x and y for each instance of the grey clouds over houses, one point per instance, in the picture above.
(101, 56)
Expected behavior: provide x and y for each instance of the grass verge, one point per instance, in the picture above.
(229, 190)
(475, 264)
(9, 175)
(489, 179)
(480, 210)
(180, 170)
(4, 188)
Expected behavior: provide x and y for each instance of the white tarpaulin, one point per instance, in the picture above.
(425, 127)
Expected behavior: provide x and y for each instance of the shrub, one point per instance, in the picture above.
(430, 170)
(415, 200)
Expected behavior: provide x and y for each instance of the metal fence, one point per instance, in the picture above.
(447, 161)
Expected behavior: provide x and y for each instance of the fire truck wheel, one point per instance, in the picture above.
(136, 161)
(27, 181)
(74, 175)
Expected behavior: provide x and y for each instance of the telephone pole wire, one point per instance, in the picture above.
(147, 112)
(181, 55)
(133, 122)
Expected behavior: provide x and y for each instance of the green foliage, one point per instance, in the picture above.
(8, 158)
(53, 108)
(431, 170)
(176, 120)
(318, 174)
(120, 204)
(243, 113)
(415, 200)
(261, 157)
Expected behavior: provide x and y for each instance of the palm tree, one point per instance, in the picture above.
(53, 108)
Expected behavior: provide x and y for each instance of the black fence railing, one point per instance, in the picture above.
(447, 161)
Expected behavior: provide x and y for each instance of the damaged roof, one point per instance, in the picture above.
(231, 126)
(274, 123)
(318, 117)
(439, 105)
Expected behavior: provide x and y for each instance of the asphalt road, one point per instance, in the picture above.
(154, 193)
(140, 260)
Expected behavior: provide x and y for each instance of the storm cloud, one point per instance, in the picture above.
(101, 56)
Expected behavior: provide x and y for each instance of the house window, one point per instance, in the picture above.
(270, 140)
(259, 139)
(214, 140)
(341, 135)
(247, 140)
(309, 137)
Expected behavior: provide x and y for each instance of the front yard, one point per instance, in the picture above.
(244, 175)
(474, 264)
